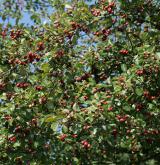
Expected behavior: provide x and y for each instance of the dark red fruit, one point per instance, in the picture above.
(62, 137)
(123, 51)
(12, 139)
(38, 88)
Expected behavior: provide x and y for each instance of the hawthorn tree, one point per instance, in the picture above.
(83, 88)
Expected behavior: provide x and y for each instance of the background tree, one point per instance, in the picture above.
(83, 88)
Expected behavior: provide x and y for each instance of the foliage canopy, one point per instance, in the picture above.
(82, 88)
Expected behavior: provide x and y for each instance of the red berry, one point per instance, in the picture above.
(3, 34)
(12, 139)
(40, 46)
(122, 120)
(146, 94)
(85, 144)
(140, 72)
(74, 135)
(38, 88)
(109, 9)
(123, 51)
(62, 137)
(8, 117)
(17, 129)
(96, 12)
(85, 98)
(114, 133)
(88, 146)
(110, 108)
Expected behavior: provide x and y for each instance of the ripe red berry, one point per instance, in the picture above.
(3, 34)
(123, 51)
(22, 85)
(12, 139)
(86, 127)
(106, 32)
(62, 137)
(96, 12)
(74, 135)
(140, 72)
(152, 97)
(38, 88)
(139, 107)
(30, 56)
(109, 9)
(122, 120)
(85, 98)
(17, 129)
(114, 132)
(40, 46)
(112, 4)
(110, 108)
(146, 94)
(7, 117)
(85, 144)
(60, 53)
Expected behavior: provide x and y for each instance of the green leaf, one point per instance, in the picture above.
(33, 78)
(127, 108)
(139, 91)
(51, 119)
(54, 126)
(124, 67)
(45, 67)
(36, 18)
(75, 107)
(158, 55)
(17, 144)
(67, 6)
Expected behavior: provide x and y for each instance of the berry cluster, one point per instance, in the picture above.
(15, 34)
(123, 51)
(122, 118)
(22, 85)
(31, 57)
(4, 34)
(7, 117)
(2, 85)
(59, 54)
(109, 8)
(39, 88)
(85, 144)
(83, 77)
(95, 12)
(140, 72)
(139, 107)
(110, 109)
(40, 46)
(16, 61)
(74, 135)
(62, 137)
(106, 32)
(12, 139)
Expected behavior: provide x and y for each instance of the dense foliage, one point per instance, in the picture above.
(83, 88)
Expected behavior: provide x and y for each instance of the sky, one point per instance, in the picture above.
(26, 16)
